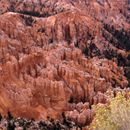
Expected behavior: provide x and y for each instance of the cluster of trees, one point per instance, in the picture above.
(113, 116)
(11, 123)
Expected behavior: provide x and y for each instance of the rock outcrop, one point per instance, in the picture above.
(62, 56)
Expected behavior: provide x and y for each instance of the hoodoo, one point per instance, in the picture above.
(62, 56)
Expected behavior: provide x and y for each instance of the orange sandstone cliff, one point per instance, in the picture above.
(62, 56)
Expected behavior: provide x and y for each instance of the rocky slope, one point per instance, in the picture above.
(62, 55)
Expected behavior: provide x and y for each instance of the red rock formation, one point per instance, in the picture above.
(53, 56)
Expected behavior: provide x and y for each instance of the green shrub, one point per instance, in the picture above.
(114, 116)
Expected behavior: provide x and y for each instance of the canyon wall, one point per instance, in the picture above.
(62, 56)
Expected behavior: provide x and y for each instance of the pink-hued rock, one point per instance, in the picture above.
(61, 56)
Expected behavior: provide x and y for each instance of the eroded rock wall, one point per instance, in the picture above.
(60, 56)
